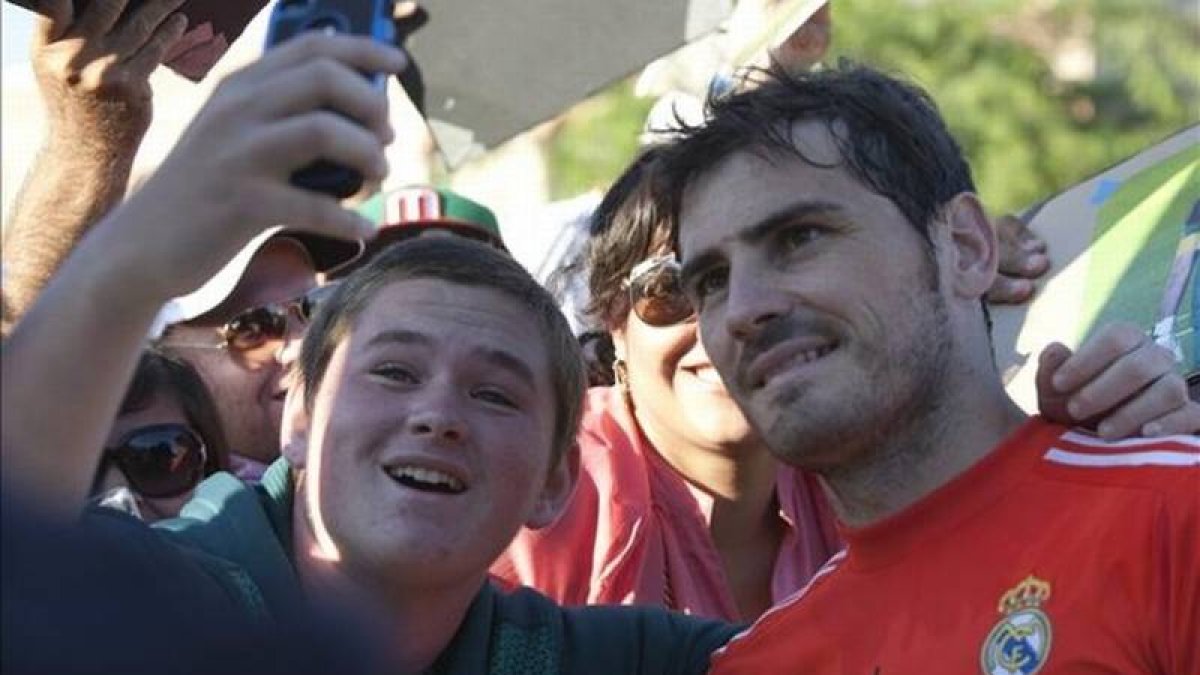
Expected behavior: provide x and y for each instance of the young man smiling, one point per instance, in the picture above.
(435, 413)
(837, 256)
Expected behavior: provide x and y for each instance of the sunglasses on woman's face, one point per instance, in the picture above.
(160, 460)
(257, 332)
(655, 293)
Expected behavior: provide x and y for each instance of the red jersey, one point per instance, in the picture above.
(1056, 553)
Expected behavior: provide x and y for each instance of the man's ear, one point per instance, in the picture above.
(293, 431)
(973, 252)
(557, 491)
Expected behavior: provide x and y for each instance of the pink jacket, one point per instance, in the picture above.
(635, 532)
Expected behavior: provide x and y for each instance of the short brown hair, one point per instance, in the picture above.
(460, 261)
(160, 374)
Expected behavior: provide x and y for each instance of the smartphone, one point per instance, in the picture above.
(372, 18)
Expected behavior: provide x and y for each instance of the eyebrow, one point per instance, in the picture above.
(498, 357)
(759, 231)
(507, 361)
(407, 337)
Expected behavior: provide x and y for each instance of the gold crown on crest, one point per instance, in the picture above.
(1030, 593)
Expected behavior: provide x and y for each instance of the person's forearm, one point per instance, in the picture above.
(68, 188)
(64, 369)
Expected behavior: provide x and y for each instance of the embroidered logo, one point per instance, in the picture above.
(1019, 644)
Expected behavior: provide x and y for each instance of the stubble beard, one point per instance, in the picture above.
(895, 404)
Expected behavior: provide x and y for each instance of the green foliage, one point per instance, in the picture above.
(596, 141)
(990, 66)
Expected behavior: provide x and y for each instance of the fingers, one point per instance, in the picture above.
(1051, 402)
(1022, 253)
(315, 212)
(1015, 228)
(143, 24)
(325, 83)
(359, 53)
(1183, 420)
(97, 18)
(152, 53)
(1097, 353)
(1118, 377)
(53, 21)
(1163, 406)
(1010, 290)
(1022, 257)
(298, 141)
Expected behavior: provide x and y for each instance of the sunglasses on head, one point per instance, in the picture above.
(655, 293)
(259, 330)
(160, 460)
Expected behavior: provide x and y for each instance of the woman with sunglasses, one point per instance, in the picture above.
(678, 503)
(165, 439)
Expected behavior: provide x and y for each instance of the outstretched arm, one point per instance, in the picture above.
(65, 366)
(93, 72)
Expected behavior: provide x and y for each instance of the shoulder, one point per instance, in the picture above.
(606, 415)
(179, 573)
(610, 638)
(641, 639)
(1169, 465)
(227, 528)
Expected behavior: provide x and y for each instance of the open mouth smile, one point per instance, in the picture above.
(425, 479)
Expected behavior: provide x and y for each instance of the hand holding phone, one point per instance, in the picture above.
(371, 18)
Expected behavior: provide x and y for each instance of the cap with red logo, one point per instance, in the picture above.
(409, 211)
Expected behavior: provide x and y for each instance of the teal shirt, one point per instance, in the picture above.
(242, 536)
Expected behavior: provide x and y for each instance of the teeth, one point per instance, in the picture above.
(805, 357)
(708, 375)
(427, 476)
(814, 354)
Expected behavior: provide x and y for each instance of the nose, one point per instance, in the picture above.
(289, 351)
(752, 303)
(437, 419)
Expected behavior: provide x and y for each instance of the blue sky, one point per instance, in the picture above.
(16, 25)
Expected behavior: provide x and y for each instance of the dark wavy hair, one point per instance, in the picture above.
(159, 374)
(627, 227)
(888, 133)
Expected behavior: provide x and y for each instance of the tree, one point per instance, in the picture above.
(1041, 93)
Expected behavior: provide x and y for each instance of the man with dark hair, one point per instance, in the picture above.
(837, 255)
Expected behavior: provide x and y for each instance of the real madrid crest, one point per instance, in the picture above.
(1019, 644)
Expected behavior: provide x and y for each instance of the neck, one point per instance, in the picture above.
(744, 523)
(417, 623)
(906, 463)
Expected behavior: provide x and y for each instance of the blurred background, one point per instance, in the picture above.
(1042, 93)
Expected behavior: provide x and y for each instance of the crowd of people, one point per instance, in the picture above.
(367, 440)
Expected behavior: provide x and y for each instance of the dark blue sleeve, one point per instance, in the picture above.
(112, 595)
(640, 640)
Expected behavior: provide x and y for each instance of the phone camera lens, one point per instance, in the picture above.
(327, 25)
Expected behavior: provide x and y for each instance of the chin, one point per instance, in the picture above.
(724, 428)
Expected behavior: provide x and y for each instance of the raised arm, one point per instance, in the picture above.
(67, 363)
(93, 72)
